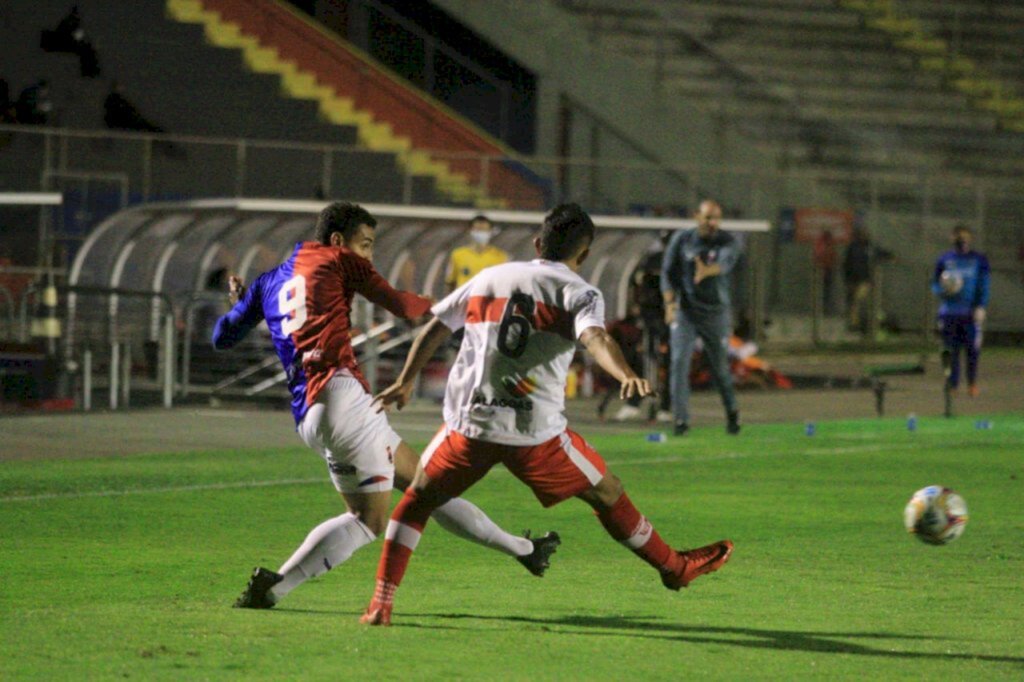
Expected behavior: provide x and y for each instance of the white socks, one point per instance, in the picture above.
(335, 540)
(326, 546)
(465, 520)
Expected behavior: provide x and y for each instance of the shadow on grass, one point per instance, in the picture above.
(753, 638)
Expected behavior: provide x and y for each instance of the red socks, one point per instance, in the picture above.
(625, 523)
(400, 540)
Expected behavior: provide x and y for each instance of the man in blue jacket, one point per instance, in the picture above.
(961, 281)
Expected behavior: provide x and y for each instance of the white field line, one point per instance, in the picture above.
(843, 451)
(167, 489)
(200, 487)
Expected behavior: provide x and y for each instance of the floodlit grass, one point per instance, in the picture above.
(115, 568)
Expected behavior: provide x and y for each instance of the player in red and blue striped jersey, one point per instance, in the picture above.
(961, 281)
(306, 302)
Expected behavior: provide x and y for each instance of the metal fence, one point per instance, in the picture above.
(909, 214)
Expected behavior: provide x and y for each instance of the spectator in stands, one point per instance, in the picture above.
(858, 273)
(69, 36)
(466, 261)
(34, 106)
(824, 266)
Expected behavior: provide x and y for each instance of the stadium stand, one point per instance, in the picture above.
(767, 104)
(826, 83)
(350, 89)
(776, 103)
(975, 46)
(212, 78)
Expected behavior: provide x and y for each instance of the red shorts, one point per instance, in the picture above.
(555, 470)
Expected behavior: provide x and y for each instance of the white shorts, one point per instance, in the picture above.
(357, 442)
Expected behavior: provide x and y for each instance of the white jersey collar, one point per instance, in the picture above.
(551, 263)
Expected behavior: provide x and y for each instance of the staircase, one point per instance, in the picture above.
(349, 89)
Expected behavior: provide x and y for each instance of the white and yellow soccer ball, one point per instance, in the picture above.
(951, 282)
(936, 515)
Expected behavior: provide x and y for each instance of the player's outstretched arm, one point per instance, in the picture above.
(404, 304)
(608, 355)
(423, 348)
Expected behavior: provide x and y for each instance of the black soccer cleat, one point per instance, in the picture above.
(680, 429)
(732, 426)
(539, 559)
(257, 592)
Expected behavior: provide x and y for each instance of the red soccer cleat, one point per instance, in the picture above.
(698, 562)
(377, 614)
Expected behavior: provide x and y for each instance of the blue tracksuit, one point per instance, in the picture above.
(956, 311)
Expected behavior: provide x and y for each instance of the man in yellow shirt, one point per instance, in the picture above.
(466, 261)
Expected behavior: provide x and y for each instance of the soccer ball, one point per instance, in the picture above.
(951, 282)
(936, 515)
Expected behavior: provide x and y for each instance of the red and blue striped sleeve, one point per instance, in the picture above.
(241, 319)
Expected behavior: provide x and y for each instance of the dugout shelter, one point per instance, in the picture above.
(150, 263)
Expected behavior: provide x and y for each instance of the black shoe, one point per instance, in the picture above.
(257, 592)
(732, 427)
(539, 559)
(681, 428)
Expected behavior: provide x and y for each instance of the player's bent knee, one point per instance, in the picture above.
(606, 493)
(610, 488)
(372, 509)
(374, 519)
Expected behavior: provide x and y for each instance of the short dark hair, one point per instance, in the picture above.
(343, 217)
(480, 217)
(564, 230)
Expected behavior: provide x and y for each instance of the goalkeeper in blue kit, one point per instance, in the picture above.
(961, 281)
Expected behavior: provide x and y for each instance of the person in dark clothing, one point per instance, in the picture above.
(858, 269)
(647, 296)
(69, 36)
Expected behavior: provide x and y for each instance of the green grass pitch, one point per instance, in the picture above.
(126, 568)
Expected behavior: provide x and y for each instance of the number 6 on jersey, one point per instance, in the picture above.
(291, 302)
(514, 331)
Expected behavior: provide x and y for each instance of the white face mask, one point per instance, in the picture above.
(481, 238)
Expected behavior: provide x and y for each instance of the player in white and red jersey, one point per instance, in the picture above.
(505, 400)
(306, 302)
